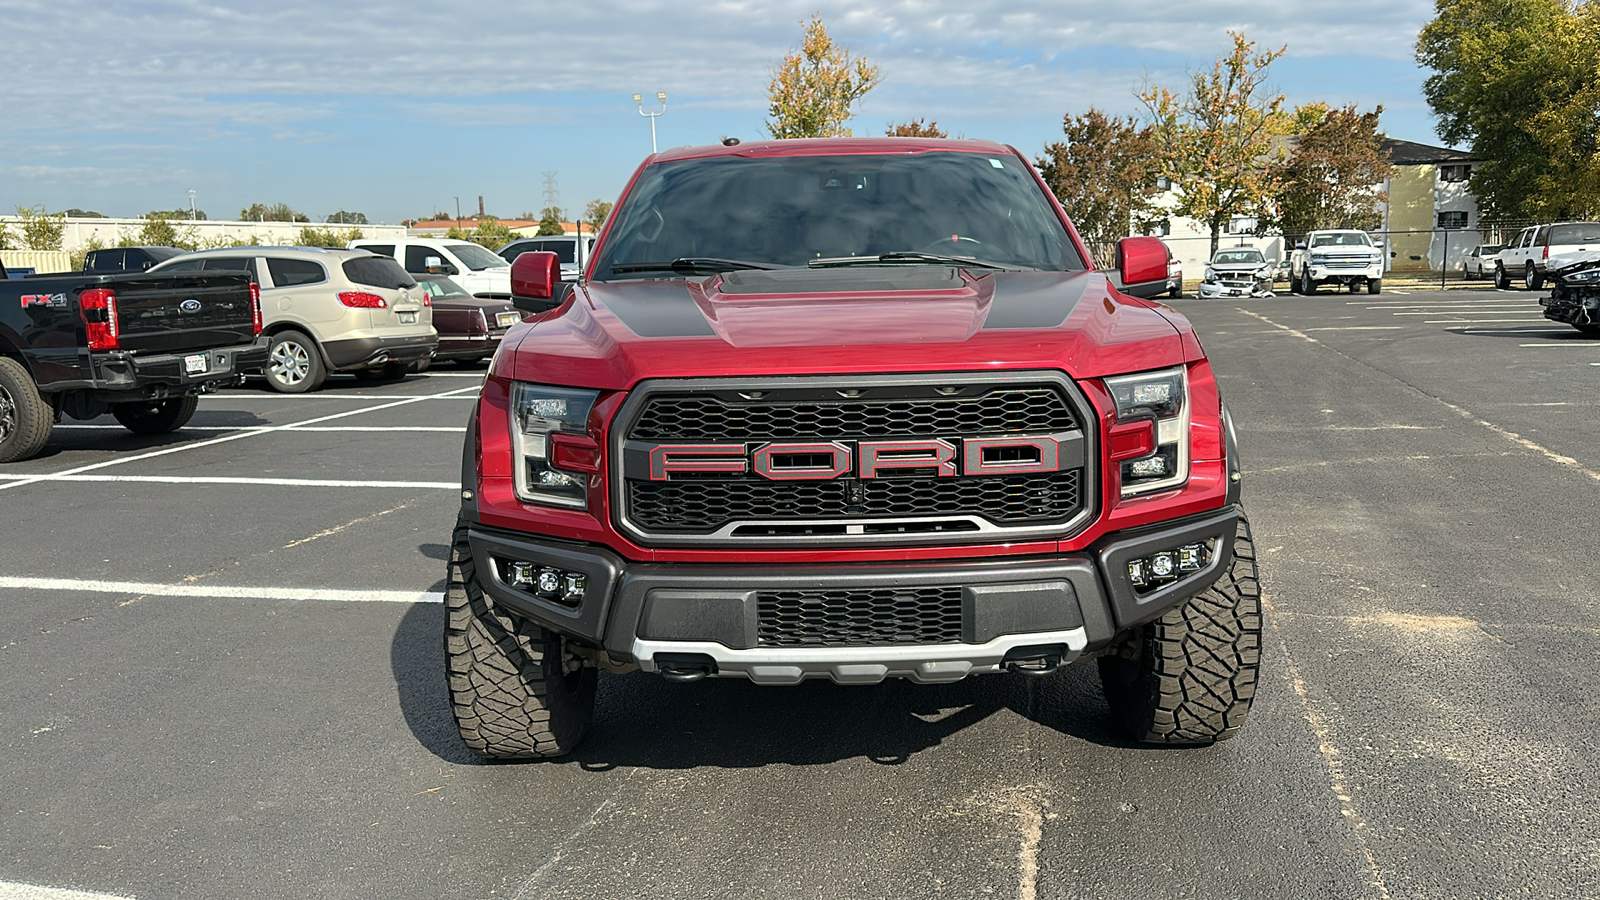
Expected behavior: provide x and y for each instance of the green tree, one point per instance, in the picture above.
(1104, 174)
(1517, 81)
(1330, 179)
(916, 128)
(277, 212)
(41, 231)
(491, 233)
(1218, 141)
(550, 221)
(178, 214)
(5, 238)
(157, 231)
(345, 217)
(327, 237)
(76, 213)
(595, 213)
(812, 92)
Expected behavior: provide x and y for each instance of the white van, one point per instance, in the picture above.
(470, 265)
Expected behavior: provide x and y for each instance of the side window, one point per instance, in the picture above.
(417, 258)
(290, 272)
(380, 249)
(1542, 236)
(185, 265)
(107, 261)
(1456, 219)
(1526, 238)
(232, 264)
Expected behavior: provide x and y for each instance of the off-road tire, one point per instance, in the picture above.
(25, 419)
(294, 364)
(1189, 676)
(1374, 285)
(1502, 281)
(510, 689)
(156, 416)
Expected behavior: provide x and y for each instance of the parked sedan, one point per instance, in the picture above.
(1479, 262)
(469, 327)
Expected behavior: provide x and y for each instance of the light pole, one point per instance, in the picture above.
(638, 101)
(191, 204)
(458, 213)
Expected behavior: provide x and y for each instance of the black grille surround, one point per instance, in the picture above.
(903, 507)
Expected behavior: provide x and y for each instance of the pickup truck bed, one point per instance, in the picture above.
(142, 347)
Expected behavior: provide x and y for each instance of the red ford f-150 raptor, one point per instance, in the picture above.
(142, 347)
(847, 409)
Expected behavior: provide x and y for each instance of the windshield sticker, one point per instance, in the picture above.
(997, 164)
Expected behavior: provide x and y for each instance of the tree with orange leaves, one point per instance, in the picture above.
(813, 90)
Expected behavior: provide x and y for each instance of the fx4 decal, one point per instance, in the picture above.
(57, 301)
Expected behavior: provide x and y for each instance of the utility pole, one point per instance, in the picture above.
(458, 213)
(552, 194)
(191, 204)
(638, 100)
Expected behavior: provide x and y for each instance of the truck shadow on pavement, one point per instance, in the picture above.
(645, 721)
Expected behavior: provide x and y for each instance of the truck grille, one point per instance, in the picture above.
(746, 508)
(859, 617)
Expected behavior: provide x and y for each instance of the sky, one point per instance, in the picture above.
(399, 109)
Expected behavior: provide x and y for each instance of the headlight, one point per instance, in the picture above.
(1265, 271)
(1211, 274)
(538, 414)
(1161, 399)
(1589, 277)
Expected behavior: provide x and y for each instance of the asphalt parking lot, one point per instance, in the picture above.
(223, 676)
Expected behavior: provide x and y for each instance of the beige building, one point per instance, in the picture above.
(1430, 219)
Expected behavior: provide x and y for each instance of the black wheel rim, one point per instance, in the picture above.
(8, 415)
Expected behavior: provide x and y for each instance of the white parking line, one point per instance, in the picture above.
(1564, 345)
(1477, 321)
(441, 429)
(227, 479)
(234, 437)
(214, 592)
(1486, 305)
(14, 890)
(1358, 328)
(452, 395)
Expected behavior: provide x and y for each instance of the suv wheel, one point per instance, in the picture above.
(294, 366)
(1189, 676)
(1502, 281)
(1307, 286)
(25, 418)
(155, 416)
(1531, 278)
(513, 690)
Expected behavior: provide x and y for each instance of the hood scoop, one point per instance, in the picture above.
(841, 280)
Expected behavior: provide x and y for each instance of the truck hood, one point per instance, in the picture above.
(1572, 261)
(844, 321)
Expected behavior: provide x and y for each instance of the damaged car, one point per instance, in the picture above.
(1575, 297)
(1240, 272)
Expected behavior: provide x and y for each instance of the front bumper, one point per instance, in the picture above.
(659, 615)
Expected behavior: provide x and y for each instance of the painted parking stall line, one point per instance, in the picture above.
(216, 592)
(227, 479)
(16, 890)
(438, 429)
(252, 432)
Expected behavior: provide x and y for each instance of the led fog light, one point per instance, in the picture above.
(550, 583)
(1167, 566)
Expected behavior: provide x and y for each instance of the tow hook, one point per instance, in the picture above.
(685, 667)
(1033, 661)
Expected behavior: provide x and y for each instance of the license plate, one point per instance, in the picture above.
(408, 318)
(508, 319)
(195, 364)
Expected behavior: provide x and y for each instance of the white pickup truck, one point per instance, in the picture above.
(1527, 258)
(1338, 256)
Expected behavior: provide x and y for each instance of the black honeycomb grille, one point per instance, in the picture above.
(697, 507)
(859, 617)
(1004, 410)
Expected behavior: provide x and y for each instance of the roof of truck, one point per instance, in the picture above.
(831, 147)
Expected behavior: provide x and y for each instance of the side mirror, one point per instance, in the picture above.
(534, 275)
(1141, 259)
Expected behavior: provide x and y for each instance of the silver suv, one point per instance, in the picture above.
(329, 311)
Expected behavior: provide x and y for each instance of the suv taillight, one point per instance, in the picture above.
(362, 300)
(1546, 253)
(98, 307)
(255, 306)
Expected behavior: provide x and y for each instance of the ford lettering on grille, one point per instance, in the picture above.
(825, 461)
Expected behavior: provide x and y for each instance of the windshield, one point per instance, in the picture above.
(442, 288)
(476, 258)
(1224, 257)
(1342, 239)
(788, 211)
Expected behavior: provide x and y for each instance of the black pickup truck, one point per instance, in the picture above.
(141, 347)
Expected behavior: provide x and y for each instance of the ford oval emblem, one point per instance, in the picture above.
(190, 306)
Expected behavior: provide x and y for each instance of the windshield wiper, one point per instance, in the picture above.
(691, 265)
(902, 256)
